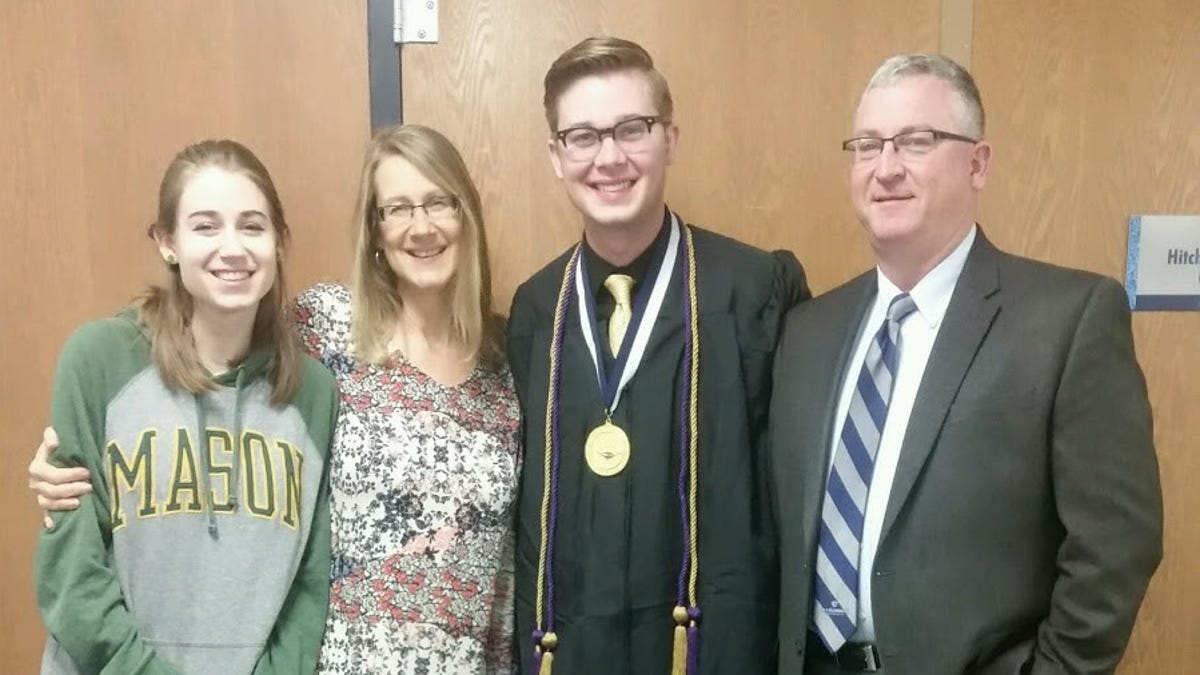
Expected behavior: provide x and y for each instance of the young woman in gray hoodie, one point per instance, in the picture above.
(203, 546)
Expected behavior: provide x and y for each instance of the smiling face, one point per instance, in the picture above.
(619, 187)
(224, 242)
(422, 250)
(919, 206)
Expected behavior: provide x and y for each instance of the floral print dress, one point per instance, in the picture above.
(423, 480)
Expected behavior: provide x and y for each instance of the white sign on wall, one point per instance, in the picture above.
(1163, 266)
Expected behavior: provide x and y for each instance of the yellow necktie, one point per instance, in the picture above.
(619, 285)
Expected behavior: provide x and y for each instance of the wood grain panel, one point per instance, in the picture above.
(1092, 110)
(95, 98)
(764, 94)
(957, 30)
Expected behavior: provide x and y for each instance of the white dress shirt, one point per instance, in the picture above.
(917, 334)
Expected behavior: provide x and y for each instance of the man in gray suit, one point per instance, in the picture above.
(961, 446)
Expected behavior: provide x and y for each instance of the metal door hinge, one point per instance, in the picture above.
(416, 21)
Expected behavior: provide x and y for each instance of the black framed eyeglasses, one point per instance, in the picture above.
(583, 143)
(437, 208)
(908, 144)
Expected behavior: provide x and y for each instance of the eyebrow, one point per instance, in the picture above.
(875, 133)
(214, 214)
(404, 199)
(591, 125)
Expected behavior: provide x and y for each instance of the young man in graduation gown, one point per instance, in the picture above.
(642, 358)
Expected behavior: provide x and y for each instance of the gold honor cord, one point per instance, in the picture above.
(685, 654)
(693, 422)
(545, 639)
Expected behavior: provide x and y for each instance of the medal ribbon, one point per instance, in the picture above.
(686, 646)
(647, 302)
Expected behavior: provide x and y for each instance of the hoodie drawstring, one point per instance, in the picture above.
(236, 480)
(235, 477)
(202, 448)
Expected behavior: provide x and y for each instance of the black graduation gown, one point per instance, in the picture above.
(618, 548)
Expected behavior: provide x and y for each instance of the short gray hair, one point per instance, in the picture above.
(902, 66)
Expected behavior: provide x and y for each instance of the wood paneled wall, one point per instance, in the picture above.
(763, 93)
(95, 99)
(1092, 111)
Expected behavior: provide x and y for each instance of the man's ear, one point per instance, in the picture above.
(981, 161)
(671, 131)
(555, 160)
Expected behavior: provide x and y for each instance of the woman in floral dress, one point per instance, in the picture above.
(424, 468)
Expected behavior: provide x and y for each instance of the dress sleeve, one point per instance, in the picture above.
(321, 317)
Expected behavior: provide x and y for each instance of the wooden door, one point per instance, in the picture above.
(95, 99)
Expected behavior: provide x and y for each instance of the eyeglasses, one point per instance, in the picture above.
(909, 144)
(583, 143)
(438, 208)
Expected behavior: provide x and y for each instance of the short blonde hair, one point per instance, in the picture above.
(599, 56)
(944, 68)
(375, 302)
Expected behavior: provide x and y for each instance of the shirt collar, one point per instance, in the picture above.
(932, 293)
(599, 269)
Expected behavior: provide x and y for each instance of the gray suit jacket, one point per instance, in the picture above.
(1025, 519)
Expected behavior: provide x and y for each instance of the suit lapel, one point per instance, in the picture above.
(834, 347)
(969, 316)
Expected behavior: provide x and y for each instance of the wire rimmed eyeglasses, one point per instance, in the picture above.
(438, 208)
(907, 144)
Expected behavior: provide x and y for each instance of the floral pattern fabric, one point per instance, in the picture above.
(423, 480)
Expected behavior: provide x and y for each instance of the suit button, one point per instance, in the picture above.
(799, 646)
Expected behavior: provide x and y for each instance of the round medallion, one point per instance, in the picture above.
(607, 449)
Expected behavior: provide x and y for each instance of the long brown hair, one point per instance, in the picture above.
(167, 312)
(375, 302)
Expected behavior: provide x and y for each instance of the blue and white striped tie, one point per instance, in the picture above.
(835, 612)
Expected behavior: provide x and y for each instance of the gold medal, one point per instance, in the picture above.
(607, 449)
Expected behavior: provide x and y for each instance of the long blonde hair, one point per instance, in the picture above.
(167, 312)
(375, 301)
